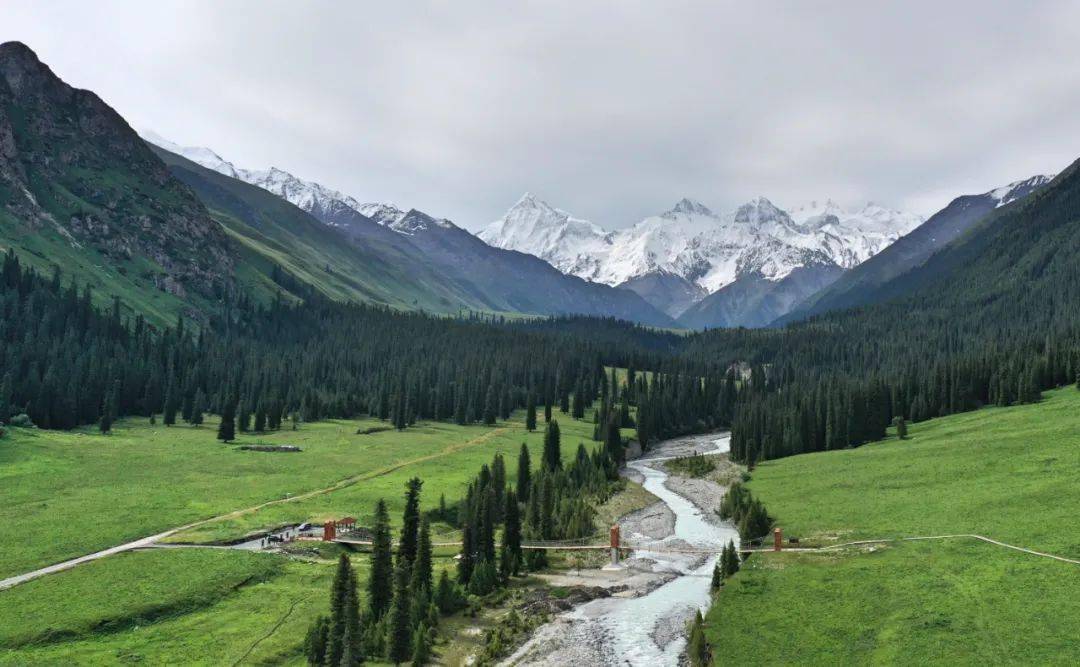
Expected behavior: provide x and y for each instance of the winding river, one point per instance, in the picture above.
(650, 629)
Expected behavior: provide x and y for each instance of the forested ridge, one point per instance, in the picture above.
(993, 319)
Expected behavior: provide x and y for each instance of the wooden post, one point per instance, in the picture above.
(778, 539)
(614, 534)
(329, 531)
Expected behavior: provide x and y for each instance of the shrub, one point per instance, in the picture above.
(22, 421)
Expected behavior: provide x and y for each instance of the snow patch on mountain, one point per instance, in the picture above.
(1007, 194)
(310, 196)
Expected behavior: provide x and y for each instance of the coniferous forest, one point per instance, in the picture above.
(994, 337)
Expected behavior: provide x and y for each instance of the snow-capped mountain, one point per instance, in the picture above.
(708, 250)
(326, 204)
(496, 278)
(569, 244)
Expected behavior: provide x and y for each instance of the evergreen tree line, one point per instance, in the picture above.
(549, 502)
(65, 362)
(746, 512)
(399, 621)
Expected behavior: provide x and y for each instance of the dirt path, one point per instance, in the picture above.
(150, 540)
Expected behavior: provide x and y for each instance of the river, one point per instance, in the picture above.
(646, 629)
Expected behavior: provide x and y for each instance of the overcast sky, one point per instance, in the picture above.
(612, 111)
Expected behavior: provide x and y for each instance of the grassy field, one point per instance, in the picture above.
(1007, 473)
(947, 603)
(71, 493)
(67, 494)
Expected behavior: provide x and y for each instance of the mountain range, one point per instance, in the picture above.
(173, 228)
(745, 267)
(481, 276)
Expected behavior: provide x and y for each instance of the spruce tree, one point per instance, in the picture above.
(490, 406)
(697, 648)
(260, 418)
(717, 577)
(552, 446)
(198, 406)
(530, 412)
(339, 604)
(420, 650)
(511, 538)
(399, 632)
(315, 642)
(524, 474)
(108, 410)
(422, 568)
(410, 521)
(227, 427)
(380, 579)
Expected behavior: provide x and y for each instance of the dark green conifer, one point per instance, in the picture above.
(380, 578)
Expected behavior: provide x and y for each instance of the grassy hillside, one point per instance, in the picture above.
(1007, 473)
(272, 231)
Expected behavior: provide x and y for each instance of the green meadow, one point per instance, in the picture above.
(1007, 473)
(65, 494)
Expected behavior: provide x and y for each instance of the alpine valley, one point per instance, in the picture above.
(247, 418)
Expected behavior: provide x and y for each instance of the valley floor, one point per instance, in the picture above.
(67, 494)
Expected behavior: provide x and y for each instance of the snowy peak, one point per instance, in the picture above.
(197, 154)
(1018, 190)
(690, 207)
(760, 211)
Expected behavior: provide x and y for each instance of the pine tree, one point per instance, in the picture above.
(901, 427)
(552, 447)
(511, 538)
(399, 637)
(315, 643)
(198, 405)
(420, 650)
(524, 474)
(108, 411)
(227, 427)
(260, 418)
(717, 576)
(382, 563)
(410, 521)
(530, 413)
(339, 604)
(490, 406)
(466, 563)
(613, 444)
(498, 484)
(422, 568)
(243, 417)
(168, 416)
(697, 648)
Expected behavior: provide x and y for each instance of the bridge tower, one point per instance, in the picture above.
(329, 531)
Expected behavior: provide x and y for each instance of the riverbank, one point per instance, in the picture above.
(644, 620)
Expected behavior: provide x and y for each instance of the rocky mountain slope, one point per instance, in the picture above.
(678, 257)
(79, 190)
(862, 284)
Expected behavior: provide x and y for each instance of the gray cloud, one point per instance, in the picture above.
(612, 110)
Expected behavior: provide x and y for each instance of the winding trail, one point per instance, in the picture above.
(150, 540)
